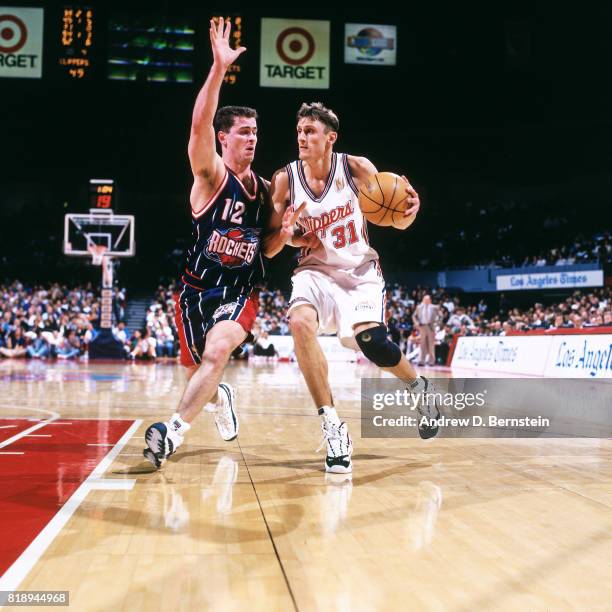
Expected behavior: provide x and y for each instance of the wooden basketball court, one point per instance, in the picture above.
(444, 524)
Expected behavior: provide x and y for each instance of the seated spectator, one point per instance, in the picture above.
(69, 346)
(16, 344)
(39, 348)
(143, 346)
(263, 346)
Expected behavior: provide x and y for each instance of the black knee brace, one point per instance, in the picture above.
(377, 348)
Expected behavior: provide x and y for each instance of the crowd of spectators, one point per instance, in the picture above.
(60, 322)
(47, 322)
(580, 310)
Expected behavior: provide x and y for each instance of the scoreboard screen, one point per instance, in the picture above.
(150, 49)
(77, 29)
(101, 193)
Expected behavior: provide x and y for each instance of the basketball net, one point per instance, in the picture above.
(97, 253)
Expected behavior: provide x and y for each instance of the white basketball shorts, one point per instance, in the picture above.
(340, 306)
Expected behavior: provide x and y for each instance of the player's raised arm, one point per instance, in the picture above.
(205, 162)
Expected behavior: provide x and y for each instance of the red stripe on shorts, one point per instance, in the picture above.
(247, 317)
(186, 357)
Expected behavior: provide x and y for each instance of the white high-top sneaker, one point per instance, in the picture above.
(226, 418)
(162, 441)
(339, 447)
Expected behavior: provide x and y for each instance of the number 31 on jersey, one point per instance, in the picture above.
(340, 231)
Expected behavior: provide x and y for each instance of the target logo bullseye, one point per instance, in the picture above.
(294, 53)
(295, 46)
(13, 34)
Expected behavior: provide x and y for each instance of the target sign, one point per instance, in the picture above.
(13, 34)
(21, 38)
(294, 53)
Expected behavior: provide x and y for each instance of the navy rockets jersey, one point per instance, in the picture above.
(227, 234)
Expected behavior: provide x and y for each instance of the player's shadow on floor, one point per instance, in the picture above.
(177, 458)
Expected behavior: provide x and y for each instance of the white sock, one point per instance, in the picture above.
(329, 414)
(177, 424)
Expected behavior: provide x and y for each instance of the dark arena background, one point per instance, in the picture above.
(499, 113)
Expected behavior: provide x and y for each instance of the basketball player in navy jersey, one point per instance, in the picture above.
(217, 303)
(338, 284)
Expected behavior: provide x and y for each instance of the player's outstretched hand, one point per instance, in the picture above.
(413, 198)
(223, 54)
(289, 218)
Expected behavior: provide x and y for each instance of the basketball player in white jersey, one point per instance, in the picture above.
(337, 285)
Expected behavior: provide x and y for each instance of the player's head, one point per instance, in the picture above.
(236, 129)
(317, 130)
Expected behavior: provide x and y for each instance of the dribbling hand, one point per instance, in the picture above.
(412, 197)
(223, 54)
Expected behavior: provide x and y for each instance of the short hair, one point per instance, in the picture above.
(318, 112)
(225, 116)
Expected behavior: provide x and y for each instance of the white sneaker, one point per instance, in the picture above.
(162, 442)
(339, 447)
(226, 418)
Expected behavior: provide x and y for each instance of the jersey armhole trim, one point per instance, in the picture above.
(349, 176)
(291, 187)
(197, 214)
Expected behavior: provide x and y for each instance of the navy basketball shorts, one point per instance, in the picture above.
(198, 311)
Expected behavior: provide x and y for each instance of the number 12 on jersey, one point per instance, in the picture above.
(340, 234)
(237, 211)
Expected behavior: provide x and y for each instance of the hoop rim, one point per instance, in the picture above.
(98, 252)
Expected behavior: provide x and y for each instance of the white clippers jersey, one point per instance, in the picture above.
(336, 218)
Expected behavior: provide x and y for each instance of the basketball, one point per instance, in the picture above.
(383, 200)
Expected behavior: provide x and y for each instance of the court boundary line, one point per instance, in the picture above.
(265, 520)
(54, 417)
(22, 566)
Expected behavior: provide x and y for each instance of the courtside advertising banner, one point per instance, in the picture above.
(294, 54)
(375, 45)
(572, 356)
(580, 356)
(21, 42)
(502, 354)
(550, 280)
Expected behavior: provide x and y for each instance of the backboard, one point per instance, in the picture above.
(99, 227)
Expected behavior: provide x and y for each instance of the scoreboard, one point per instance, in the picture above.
(135, 47)
(102, 193)
(77, 28)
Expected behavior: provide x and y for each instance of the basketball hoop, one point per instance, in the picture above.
(97, 253)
